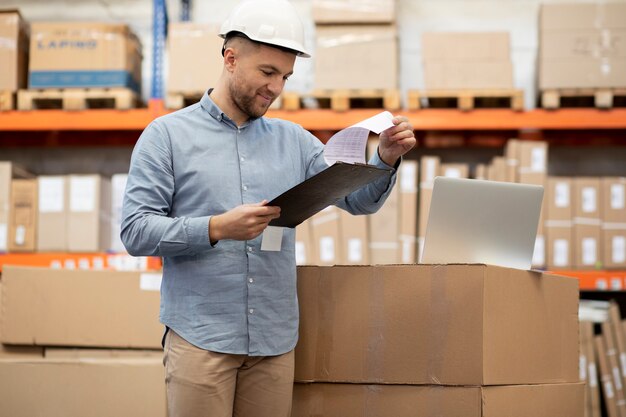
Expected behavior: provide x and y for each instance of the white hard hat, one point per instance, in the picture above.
(273, 22)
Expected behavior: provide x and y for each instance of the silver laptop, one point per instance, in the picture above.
(486, 222)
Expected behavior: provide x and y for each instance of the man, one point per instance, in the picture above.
(197, 194)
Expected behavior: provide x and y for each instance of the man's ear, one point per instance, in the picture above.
(230, 58)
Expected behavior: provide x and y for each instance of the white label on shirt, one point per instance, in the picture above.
(327, 249)
(150, 281)
(561, 252)
(561, 194)
(619, 250)
(538, 160)
(539, 253)
(51, 194)
(20, 235)
(82, 194)
(300, 253)
(589, 251)
(593, 375)
(3, 237)
(588, 195)
(408, 177)
(272, 239)
(617, 196)
(355, 250)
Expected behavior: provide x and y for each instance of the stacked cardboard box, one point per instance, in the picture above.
(582, 45)
(613, 221)
(13, 52)
(10, 172)
(351, 36)
(43, 308)
(466, 61)
(587, 223)
(84, 54)
(436, 340)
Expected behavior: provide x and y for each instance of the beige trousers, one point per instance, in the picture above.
(202, 383)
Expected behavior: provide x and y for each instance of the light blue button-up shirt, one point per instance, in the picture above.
(195, 163)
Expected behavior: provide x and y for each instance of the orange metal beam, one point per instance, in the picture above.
(597, 280)
(80, 261)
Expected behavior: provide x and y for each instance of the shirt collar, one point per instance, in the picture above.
(209, 105)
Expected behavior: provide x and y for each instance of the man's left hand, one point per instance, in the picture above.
(396, 141)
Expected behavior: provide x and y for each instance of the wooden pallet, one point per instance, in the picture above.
(178, 100)
(77, 98)
(467, 99)
(7, 100)
(602, 98)
(342, 100)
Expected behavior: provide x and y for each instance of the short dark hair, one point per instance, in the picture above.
(235, 34)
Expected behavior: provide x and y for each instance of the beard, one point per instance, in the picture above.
(247, 103)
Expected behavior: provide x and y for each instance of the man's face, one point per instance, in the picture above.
(258, 78)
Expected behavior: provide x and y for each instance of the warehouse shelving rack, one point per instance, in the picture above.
(115, 127)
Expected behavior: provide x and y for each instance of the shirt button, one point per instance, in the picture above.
(242, 159)
(251, 311)
(250, 280)
(245, 188)
(250, 249)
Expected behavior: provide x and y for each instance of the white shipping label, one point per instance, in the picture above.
(589, 251)
(82, 194)
(589, 203)
(51, 194)
(618, 252)
(561, 252)
(408, 177)
(452, 173)
(593, 375)
(617, 196)
(582, 367)
(561, 194)
(430, 170)
(327, 249)
(622, 360)
(617, 378)
(150, 281)
(3, 237)
(355, 250)
(20, 235)
(300, 253)
(538, 160)
(539, 252)
(608, 389)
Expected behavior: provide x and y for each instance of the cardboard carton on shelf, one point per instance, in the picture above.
(436, 324)
(13, 50)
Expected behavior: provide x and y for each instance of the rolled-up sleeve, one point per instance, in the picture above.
(147, 228)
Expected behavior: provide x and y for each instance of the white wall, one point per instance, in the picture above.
(519, 17)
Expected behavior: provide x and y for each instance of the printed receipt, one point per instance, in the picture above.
(347, 145)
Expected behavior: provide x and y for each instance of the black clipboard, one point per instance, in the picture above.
(322, 190)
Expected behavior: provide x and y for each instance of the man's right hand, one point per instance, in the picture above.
(244, 222)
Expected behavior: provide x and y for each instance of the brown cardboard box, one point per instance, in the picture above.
(23, 216)
(326, 236)
(582, 45)
(533, 157)
(454, 60)
(615, 320)
(354, 239)
(55, 307)
(436, 324)
(558, 222)
(454, 170)
(592, 370)
(407, 179)
(75, 388)
(481, 172)
(118, 188)
(606, 378)
(84, 54)
(353, 11)
(614, 221)
(89, 224)
(53, 194)
(13, 352)
(304, 244)
(13, 50)
(348, 57)
(512, 155)
(384, 230)
(8, 172)
(613, 363)
(497, 171)
(194, 58)
(81, 353)
(536, 178)
(352, 400)
(587, 224)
